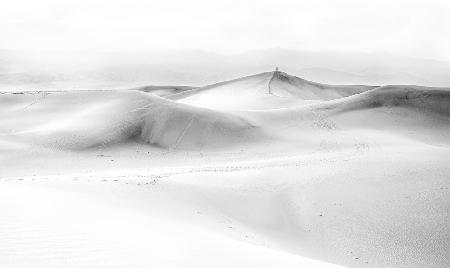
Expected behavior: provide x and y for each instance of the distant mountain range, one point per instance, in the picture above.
(62, 70)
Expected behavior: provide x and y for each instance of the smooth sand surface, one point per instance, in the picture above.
(306, 175)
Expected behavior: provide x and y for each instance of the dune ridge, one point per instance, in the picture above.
(264, 170)
(264, 91)
(81, 120)
(88, 119)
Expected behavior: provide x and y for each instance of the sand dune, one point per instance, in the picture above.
(424, 98)
(80, 120)
(150, 229)
(88, 119)
(407, 112)
(263, 91)
(266, 170)
(164, 91)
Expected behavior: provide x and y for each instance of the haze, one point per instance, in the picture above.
(408, 28)
(224, 134)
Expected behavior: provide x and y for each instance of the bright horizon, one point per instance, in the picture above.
(415, 29)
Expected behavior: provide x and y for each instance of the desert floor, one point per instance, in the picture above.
(263, 171)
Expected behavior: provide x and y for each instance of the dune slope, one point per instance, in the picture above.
(163, 91)
(266, 170)
(262, 91)
(80, 120)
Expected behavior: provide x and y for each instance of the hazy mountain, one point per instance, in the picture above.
(53, 70)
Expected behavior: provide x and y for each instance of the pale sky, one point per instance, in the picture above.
(406, 27)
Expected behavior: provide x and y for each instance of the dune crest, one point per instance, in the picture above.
(267, 90)
(82, 120)
(89, 119)
(270, 168)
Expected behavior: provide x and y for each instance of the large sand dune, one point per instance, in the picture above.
(86, 119)
(268, 170)
(262, 91)
(399, 111)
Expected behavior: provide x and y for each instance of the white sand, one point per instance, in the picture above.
(264, 91)
(229, 175)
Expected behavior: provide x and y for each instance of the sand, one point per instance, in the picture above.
(268, 170)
